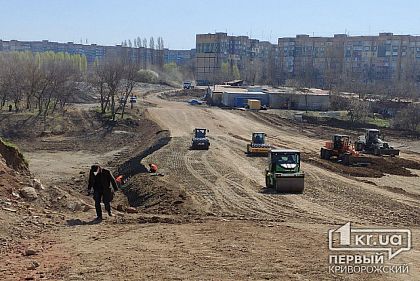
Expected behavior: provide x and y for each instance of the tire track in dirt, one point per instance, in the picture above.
(275, 203)
(328, 196)
(224, 196)
(333, 197)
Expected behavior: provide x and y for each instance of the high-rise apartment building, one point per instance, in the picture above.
(325, 60)
(220, 57)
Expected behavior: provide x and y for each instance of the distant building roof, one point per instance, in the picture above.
(235, 83)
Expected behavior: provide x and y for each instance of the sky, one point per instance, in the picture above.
(108, 22)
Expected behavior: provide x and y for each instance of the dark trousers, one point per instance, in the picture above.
(106, 197)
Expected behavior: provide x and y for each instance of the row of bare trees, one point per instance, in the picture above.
(142, 43)
(114, 78)
(46, 82)
(39, 81)
(408, 118)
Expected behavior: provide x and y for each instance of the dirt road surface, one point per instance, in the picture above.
(235, 229)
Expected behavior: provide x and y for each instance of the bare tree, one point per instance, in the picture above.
(128, 82)
(151, 43)
(144, 42)
(160, 44)
(358, 110)
(408, 118)
(111, 73)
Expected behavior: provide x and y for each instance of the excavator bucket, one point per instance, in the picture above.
(290, 183)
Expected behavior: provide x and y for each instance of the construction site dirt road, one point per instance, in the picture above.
(231, 227)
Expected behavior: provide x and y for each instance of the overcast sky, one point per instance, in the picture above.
(108, 22)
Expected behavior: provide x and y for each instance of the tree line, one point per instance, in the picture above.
(142, 43)
(46, 82)
(39, 81)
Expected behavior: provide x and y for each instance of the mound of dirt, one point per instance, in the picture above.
(184, 95)
(153, 194)
(9, 180)
(13, 158)
(377, 166)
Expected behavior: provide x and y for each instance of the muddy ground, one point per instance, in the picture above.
(209, 217)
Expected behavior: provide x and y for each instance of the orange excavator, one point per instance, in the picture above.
(342, 149)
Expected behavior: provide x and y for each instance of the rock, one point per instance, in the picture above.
(74, 206)
(29, 192)
(34, 265)
(15, 195)
(131, 210)
(38, 185)
(30, 252)
(10, 209)
(120, 208)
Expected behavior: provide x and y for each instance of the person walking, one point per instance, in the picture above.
(100, 180)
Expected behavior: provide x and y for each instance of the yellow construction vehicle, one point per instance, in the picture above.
(258, 145)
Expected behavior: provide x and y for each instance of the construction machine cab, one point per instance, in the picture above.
(200, 133)
(285, 161)
(200, 140)
(258, 145)
(340, 141)
(258, 138)
(372, 135)
(284, 172)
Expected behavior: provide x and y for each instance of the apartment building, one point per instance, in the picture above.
(235, 52)
(180, 57)
(386, 57)
(323, 60)
(143, 56)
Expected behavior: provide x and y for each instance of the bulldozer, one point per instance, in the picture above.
(372, 143)
(341, 148)
(258, 145)
(283, 172)
(200, 140)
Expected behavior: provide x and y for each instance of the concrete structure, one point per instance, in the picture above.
(386, 57)
(240, 99)
(289, 98)
(180, 57)
(278, 98)
(143, 56)
(316, 60)
(220, 57)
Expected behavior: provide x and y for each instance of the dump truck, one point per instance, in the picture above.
(200, 140)
(372, 143)
(284, 172)
(258, 145)
(340, 148)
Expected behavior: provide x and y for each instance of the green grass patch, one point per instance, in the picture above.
(12, 146)
(380, 122)
(8, 143)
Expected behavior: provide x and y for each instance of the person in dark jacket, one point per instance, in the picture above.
(100, 180)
